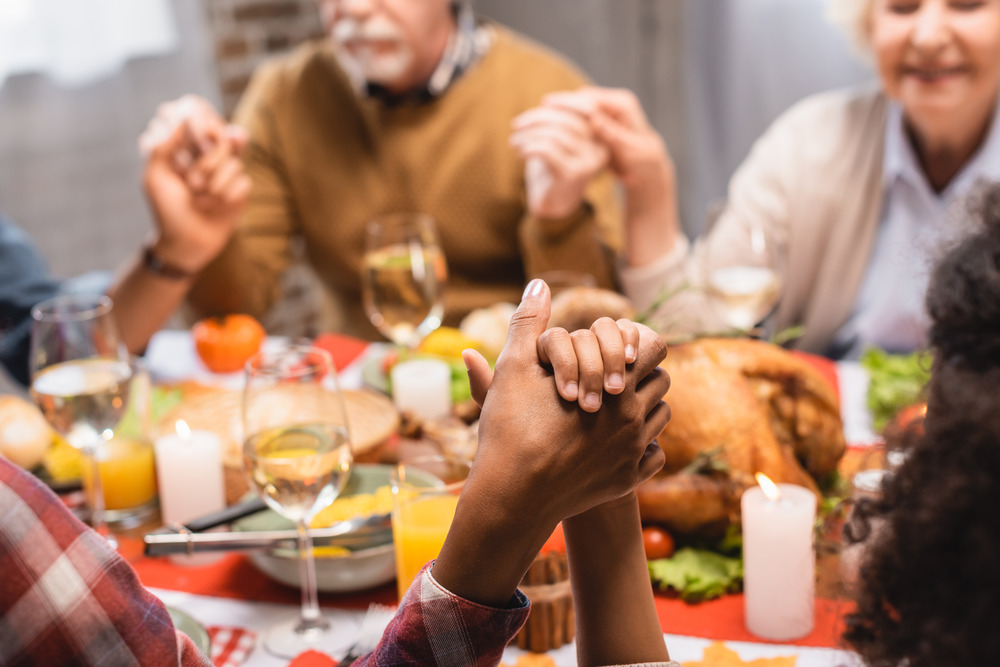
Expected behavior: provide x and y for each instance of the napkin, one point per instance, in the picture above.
(230, 646)
(343, 349)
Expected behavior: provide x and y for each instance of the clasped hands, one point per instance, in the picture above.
(569, 419)
(194, 180)
(571, 136)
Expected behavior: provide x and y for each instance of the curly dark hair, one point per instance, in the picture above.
(930, 581)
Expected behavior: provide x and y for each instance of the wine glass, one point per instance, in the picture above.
(741, 270)
(80, 380)
(297, 455)
(403, 277)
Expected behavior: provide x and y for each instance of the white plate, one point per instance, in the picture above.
(192, 628)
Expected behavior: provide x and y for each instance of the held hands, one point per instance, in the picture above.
(641, 161)
(540, 457)
(194, 181)
(561, 158)
(616, 120)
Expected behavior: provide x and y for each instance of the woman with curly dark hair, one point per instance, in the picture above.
(930, 583)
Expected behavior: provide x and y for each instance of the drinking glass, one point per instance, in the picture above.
(403, 277)
(80, 380)
(297, 455)
(425, 494)
(742, 275)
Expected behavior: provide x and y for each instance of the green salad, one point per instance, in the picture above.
(896, 381)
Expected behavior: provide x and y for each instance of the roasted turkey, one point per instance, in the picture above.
(738, 407)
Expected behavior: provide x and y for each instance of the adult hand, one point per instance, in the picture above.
(638, 155)
(194, 181)
(541, 458)
(561, 158)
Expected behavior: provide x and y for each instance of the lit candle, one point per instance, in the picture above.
(779, 566)
(422, 386)
(189, 472)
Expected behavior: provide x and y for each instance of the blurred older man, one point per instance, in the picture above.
(407, 107)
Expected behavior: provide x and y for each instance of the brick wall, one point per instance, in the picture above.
(246, 32)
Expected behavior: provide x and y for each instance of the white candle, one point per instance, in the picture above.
(779, 566)
(190, 477)
(422, 386)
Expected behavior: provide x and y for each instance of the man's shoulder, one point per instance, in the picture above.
(531, 60)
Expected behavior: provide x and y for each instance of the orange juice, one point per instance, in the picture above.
(418, 529)
(127, 474)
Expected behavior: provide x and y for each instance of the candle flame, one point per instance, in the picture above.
(771, 489)
(183, 429)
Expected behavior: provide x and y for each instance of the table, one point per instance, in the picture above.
(209, 594)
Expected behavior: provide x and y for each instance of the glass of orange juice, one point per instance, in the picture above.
(126, 461)
(425, 495)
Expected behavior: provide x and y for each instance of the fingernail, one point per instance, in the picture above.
(573, 389)
(465, 359)
(616, 381)
(533, 290)
(630, 353)
(592, 401)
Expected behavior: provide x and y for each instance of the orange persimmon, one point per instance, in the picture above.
(225, 343)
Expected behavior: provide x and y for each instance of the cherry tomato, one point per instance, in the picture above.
(225, 343)
(912, 417)
(657, 543)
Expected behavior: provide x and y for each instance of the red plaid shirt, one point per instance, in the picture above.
(436, 627)
(67, 598)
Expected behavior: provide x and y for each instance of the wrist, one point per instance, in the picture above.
(173, 255)
(489, 548)
(155, 264)
(618, 514)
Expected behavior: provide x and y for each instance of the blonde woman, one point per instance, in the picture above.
(859, 189)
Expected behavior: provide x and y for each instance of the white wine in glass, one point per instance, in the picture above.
(744, 295)
(403, 278)
(297, 455)
(742, 276)
(80, 379)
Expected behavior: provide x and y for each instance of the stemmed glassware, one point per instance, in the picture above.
(297, 455)
(403, 277)
(741, 272)
(80, 379)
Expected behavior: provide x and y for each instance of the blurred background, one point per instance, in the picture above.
(79, 80)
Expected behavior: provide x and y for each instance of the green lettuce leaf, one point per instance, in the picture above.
(696, 574)
(896, 381)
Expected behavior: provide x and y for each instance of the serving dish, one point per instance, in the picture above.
(371, 558)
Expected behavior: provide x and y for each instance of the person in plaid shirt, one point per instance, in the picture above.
(68, 598)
